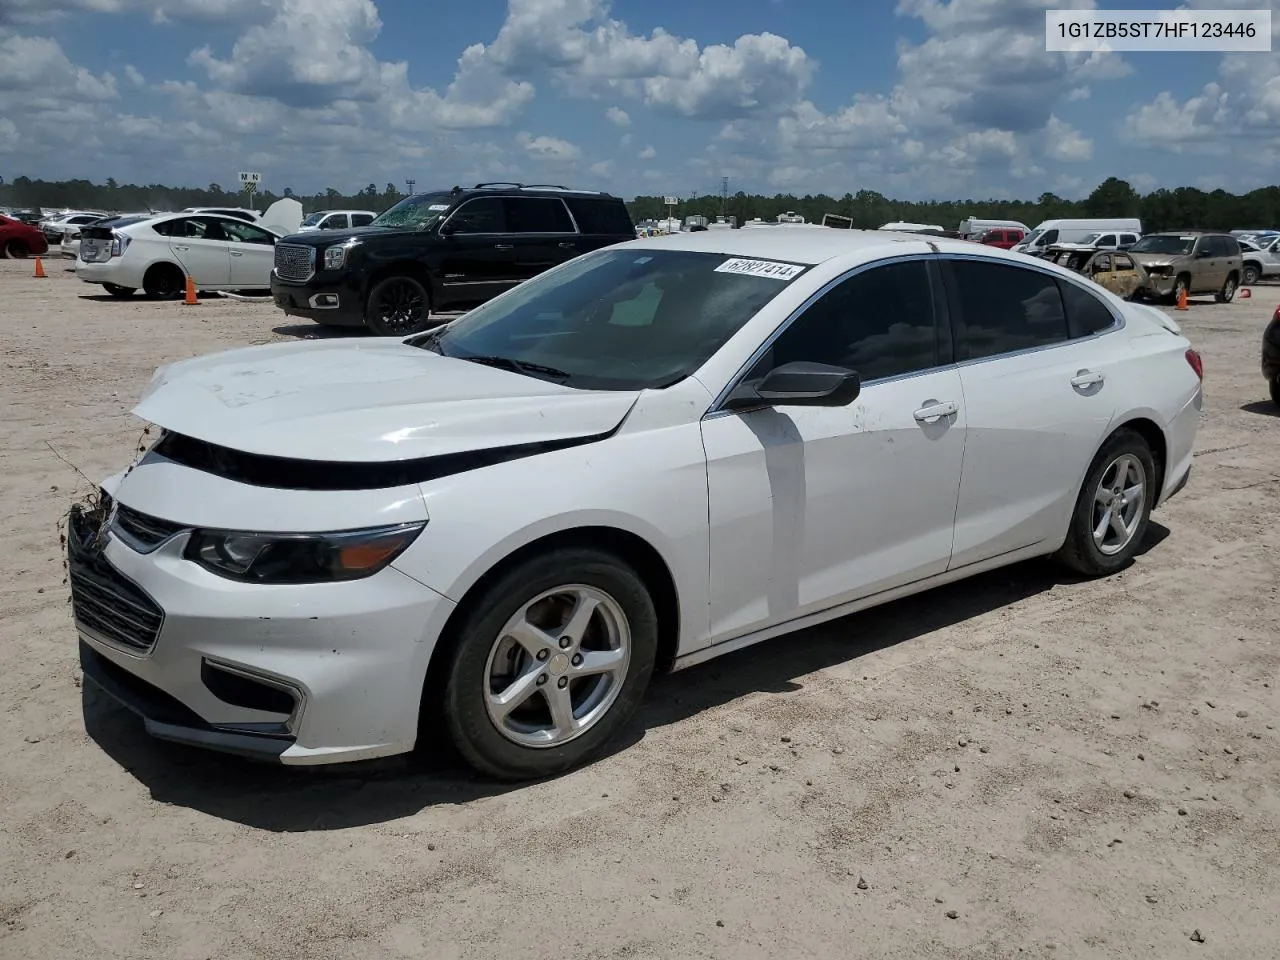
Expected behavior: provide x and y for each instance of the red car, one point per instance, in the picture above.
(18, 239)
(1002, 237)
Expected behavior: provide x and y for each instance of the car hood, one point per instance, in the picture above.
(367, 401)
(1154, 259)
(324, 238)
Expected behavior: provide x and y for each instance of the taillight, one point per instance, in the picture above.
(119, 244)
(1197, 364)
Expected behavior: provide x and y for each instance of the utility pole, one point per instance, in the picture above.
(409, 184)
(724, 196)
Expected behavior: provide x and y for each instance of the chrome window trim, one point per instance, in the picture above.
(1118, 322)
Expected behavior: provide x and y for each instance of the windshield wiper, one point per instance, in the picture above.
(519, 366)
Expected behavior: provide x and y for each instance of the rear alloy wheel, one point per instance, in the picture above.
(1228, 291)
(118, 291)
(1113, 507)
(398, 307)
(164, 281)
(550, 664)
(16, 249)
(1250, 275)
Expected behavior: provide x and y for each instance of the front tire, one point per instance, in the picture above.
(1113, 508)
(398, 306)
(1182, 284)
(550, 662)
(1228, 291)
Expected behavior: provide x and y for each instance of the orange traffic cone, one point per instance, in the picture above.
(191, 300)
(1182, 299)
(39, 269)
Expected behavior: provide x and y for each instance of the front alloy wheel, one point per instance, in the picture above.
(398, 307)
(547, 664)
(1113, 507)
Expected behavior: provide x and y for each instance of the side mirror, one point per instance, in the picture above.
(800, 383)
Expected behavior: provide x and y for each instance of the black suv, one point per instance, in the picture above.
(442, 251)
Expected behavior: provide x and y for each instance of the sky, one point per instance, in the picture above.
(916, 99)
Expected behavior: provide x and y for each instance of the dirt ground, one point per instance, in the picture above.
(1018, 765)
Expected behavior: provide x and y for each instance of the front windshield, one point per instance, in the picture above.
(311, 219)
(621, 319)
(418, 211)
(1164, 244)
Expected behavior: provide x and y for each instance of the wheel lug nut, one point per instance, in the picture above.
(542, 678)
(577, 660)
(543, 654)
(562, 682)
(565, 642)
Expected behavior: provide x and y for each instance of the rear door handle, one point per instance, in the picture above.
(1086, 378)
(502, 246)
(236, 253)
(935, 410)
(568, 246)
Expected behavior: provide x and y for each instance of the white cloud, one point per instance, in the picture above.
(1065, 143)
(648, 153)
(8, 136)
(618, 117)
(133, 75)
(548, 148)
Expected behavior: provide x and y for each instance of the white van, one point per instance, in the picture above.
(974, 226)
(1050, 232)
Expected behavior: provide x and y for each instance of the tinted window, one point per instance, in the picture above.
(1049, 236)
(1107, 240)
(336, 222)
(361, 219)
(191, 228)
(879, 323)
(537, 215)
(1005, 308)
(1229, 247)
(1086, 314)
(482, 215)
(247, 233)
(600, 216)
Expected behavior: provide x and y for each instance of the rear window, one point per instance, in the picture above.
(1086, 314)
(601, 216)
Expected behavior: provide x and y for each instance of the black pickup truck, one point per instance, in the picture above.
(440, 251)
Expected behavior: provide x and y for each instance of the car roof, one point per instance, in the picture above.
(795, 243)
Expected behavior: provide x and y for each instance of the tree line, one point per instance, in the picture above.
(1163, 209)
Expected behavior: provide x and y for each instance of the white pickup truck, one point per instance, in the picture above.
(1264, 261)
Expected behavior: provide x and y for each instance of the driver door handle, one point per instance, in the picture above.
(502, 246)
(1087, 378)
(935, 410)
(568, 246)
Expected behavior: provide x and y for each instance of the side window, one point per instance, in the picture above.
(1204, 247)
(1086, 314)
(207, 228)
(1102, 264)
(601, 216)
(1230, 248)
(1005, 308)
(481, 215)
(336, 221)
(247, 233)
(880, 323)
(1123, 262)
(361, 219)
(1050, 236)
(168, 228)
(537, 215)
(1107, 240)
(1128, 239)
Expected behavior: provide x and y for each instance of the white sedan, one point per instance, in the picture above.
(157, 254)
(651, 455)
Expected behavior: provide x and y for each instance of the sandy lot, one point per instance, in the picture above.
(1077, 770)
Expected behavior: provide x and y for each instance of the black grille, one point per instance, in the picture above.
(142, 531)
(295, 262)
(106, 602)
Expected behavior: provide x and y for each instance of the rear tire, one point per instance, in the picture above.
(486, 659)
(164, 281)
(16, 250)
(398, 306)
(1117, 496)
(1228, 291)
(118, 291)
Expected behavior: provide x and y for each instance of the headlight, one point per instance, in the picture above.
(301, 557)
(336, 256)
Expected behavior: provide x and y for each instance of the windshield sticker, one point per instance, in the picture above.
(639, 260)
(438, 206)
(761, 268)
